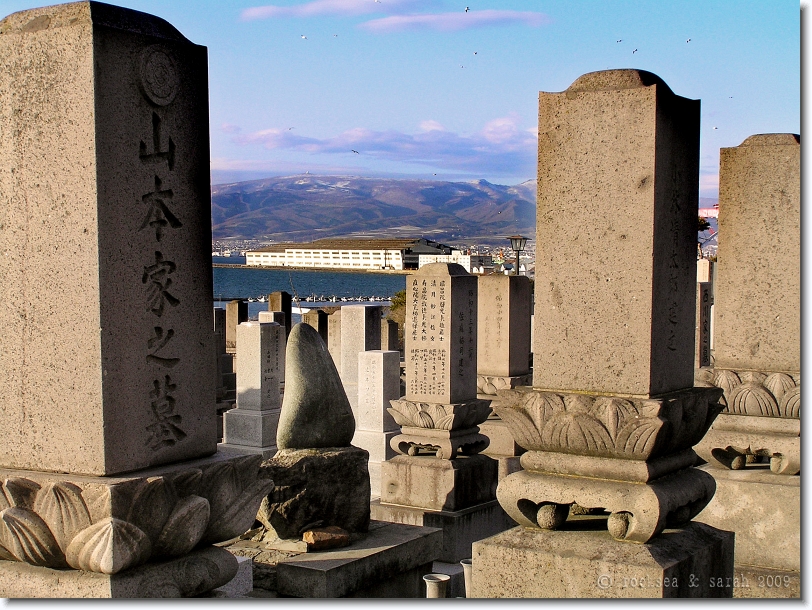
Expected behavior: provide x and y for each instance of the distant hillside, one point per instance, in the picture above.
(305, 207)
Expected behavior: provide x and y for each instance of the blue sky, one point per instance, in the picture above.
(422, 88)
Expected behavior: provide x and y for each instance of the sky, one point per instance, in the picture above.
(448, 89)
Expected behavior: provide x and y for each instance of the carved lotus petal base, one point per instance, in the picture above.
(489, 385)
(447, 444)
(639, 511)
(110, 525)
(761, 393)
(734, 440)
(439, 416)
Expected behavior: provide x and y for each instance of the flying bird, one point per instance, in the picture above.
(474, 52)
(355, 151)
(289, 128)
(635, 51)
(621, 40)
(466, 9)
(304, 37)
(716, 128)
(689, 40)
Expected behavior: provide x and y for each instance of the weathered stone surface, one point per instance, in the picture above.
(389, 335)
(586, 563)
(188, 576)
(324, 538)
(334, 337)
(314, 488)
(615, 147)
(440, 334)
(765, 512)
(503, 326)
(315, 409)
(108, 367)
(260, 365)
(438, 484)
(113, 524)
(757, 304)
(704, 301)
(608, 426)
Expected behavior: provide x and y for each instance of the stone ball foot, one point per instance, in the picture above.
(639, 511)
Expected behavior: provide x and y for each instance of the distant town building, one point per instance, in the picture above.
(473, 263)
(394, 254)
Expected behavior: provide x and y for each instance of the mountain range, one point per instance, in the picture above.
(308, 207)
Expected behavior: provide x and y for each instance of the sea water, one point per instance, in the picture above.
(346, 287)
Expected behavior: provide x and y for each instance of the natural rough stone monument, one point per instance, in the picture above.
(251, 426)
(320, 478)
(613, 414)
(754, 447)
(440, 479)
(108, 427)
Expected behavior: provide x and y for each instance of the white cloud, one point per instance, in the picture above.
(452, 22)
(501, 147)
(318, 8)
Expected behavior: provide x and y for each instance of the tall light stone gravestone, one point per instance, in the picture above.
(251, 427)
(440, 479)
(378, 385)
(613, 415)
(317, 318)
(758, 362)
(108, 426)
(503, 355)
(334, 337)
(360, 332)
(282, 301)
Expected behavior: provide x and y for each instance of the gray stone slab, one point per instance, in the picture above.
(387, 551)
(764, 509)
(282, 301)
(704, 301)
(236, 314)
(378, 384)
(317, 318)
(503, 325)
(243, 581)
(389, 335)
(618, 173)
(588, 563)
(360, 331)
(759, 583)
(460, 528)
(188, 576)
(109, 367)
(501, 438)
(334, 337)
(758, 285)
(272, 316)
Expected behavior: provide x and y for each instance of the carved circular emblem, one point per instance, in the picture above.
(159, 78)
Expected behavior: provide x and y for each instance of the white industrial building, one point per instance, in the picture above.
(361, 254)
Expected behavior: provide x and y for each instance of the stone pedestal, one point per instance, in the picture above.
(695, 561)
(389, 335)
(389, 561)
(764, 510)
(438, 484)
(461, 528)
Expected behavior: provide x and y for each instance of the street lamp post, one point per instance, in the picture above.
(517, 242)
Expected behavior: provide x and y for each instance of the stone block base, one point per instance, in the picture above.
(389, 561)
(436, 484)
(188, 576)
(589, 563)
(329, 485)
(764, 509)
(243, 427)
(460, 528)
(751, 583)
(377, 444)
